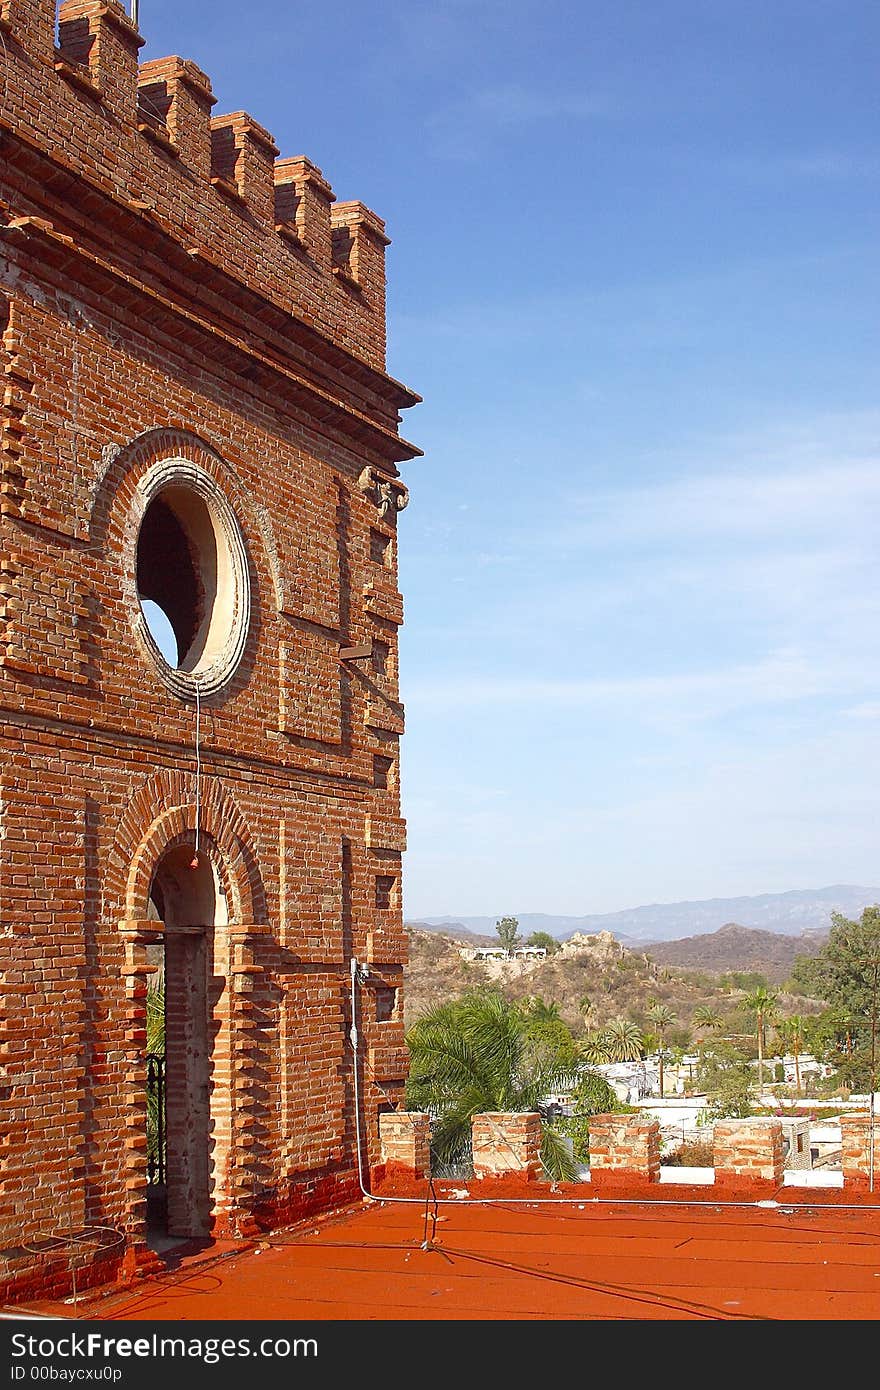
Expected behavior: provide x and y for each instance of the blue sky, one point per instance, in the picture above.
(634, 275)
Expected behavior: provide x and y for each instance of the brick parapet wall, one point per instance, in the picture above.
(748, 1151)
(153, 158)
(855, 1152)
(624, 1148)
(505, 1144)
(405, 1139)
(625, 1154)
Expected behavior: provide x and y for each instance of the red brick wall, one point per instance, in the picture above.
(406, 1141)
(855, 1155)
(624, 1147)
(506, 1144)
(748, 1151)
(151, 313)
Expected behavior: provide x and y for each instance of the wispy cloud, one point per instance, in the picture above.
(467, 128)
(781, 677)
(758, 819)
(824, 500)
(869, 710)
(824, 164)
(773, 526)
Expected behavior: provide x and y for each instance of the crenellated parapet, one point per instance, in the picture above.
(303, 199)
(242, 163)
(98, 41)
(146, 135)
(174, 102)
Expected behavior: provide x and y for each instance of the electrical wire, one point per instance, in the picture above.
(5, 65)
(358, 977)
(198, 786)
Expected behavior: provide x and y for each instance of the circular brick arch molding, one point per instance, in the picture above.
(160, 815)
(122, 493)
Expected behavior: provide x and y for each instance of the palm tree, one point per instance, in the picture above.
(619, 1041)
(662, 1018)
(156, 1018)
(792, 1031)
(762, 1003)
(705, 1016)
(539, 1011)
(592, 1047)
(622, 1040)
(470, 1056)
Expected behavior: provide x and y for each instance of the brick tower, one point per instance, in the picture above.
(198, 657)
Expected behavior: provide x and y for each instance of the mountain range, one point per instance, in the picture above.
(736, 948)
(787, 914)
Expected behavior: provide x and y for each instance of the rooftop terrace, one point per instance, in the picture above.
(519, 1259)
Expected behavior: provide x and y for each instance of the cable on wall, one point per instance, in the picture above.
(194, 862)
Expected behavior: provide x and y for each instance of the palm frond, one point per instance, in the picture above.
(557, 1155)
(155, 1007)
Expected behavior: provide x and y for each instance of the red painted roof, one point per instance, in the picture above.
(518, 1260)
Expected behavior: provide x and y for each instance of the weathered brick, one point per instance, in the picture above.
(192, 344)
(405, 1137)
(624, 1147)
(507, 1144)
(748, 1149)
(855, 1152)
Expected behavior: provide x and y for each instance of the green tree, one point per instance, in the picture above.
(846, 974)
(537, 1008)
(619, 1041)
(707, 1018)
(831, 1036)
(472, 1055)
(508, 932)
(662, 1018)
(547, 1034)
(591, 1095)
(592, 1048)
(543, 939)
(725, 1076)
(762, 1003)
(792, 1032)
(744, 979)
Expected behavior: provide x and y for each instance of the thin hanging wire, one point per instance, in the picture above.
(198, 786)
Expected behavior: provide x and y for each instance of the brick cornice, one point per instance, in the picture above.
(351, 421)
(138, 217)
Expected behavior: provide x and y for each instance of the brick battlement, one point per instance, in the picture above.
(624, 1156)
(142, 139)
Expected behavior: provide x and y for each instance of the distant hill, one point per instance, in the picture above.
(455, 929)
(734, 947)
(790, 914)
(614, 979)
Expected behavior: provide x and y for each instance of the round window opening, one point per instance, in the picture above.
(192, 582)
